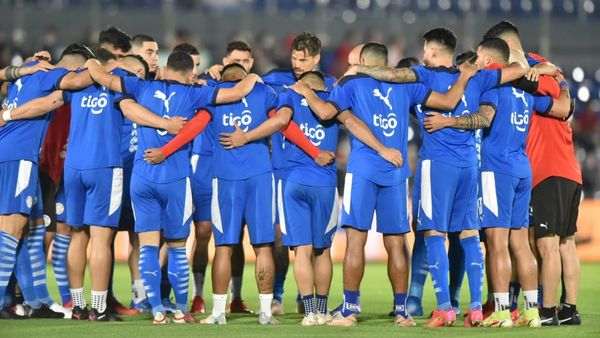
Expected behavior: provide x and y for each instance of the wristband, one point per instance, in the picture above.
(563, 84)
(6, 115)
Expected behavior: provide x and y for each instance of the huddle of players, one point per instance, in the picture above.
(233, 180)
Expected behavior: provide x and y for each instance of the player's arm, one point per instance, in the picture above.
(324, 110)
(34, 108)
(103, 77)
(482, 119)
(237, 92)
(239, 138)
(512, 72)
(12, 73)
(387, 74)
(185, 136)
(561, 107)
(450, 99)
(362, 132)
(142, 116)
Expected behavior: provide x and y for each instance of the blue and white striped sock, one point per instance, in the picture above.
(150, 271)
(179, 276)
(35, 245)
(25, 276)
(59, 263)
(438, 269)
(8, 257)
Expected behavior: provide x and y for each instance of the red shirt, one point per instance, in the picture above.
(550, 142)
(52, 157)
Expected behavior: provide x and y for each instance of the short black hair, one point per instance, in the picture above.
(232, 66)
(186, 48)
(313, 73)
(501, 28)
(138, 40)
(464, 57)
(142, 61)
(116, 37)
(238, 45)
(78, 49)
(180, 62)
(443, 36)
(497, 45)
(103, 55)
(375, 49)
(308, 42)
(408, 62)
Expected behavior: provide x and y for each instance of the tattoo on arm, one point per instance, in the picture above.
(481, 119)
(400, 75)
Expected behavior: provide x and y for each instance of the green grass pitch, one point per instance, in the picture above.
(376, 301)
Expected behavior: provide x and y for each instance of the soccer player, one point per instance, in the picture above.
(354, 55)
(162, 192)
(381, 186)
(556, 172)
(146, 47)
(305, 56)
(449, 200)
(506, 178)
(20, 143)
(114, 40)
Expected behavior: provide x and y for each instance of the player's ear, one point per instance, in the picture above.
(251, 63)
(225, 60)
(317, 58)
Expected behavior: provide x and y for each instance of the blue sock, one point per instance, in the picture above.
(59, 263)
(419, 268)
(400, 305)
(8, 258)
(110, 294)
(179, 276)
(322, 303)
(474, 262)
(151, 275)
(351, 304)
(438, 268)
(25, 277)
(514, 289)
(10, 297)
(309, 304)
(278, 285)
(165, 285)
(456, 259)
(541, 295)
(37, 256)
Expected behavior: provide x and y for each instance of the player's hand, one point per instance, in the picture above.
(233, 140)
(154, 156)
(533, 74)
(300, 87)
(201, 82)
(255, 77)
(468, 68)
(435, 121)
(2, 122)
(174, 124)
(325, 158)
(43, 55)
(44, 66)
(560, 77)
(214, 71)
(394, 156)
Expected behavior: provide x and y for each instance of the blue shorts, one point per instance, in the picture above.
(18, 186)
(162, 206)
(362, 198)
(94, 196)
(61, 204)
(252, 200)
(277, 179)
(37, 209)
(201, 187)
(505, 200)
(126, 221)
(309, 215)
(448, 197)
(416, 192)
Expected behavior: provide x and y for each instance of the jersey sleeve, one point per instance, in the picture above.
(418, 93)
(204, 96)
(341, 97)
(488, 79)
(421, 73)
(489, 98)
(270, 99)
(132, 86)
(285, 100)
(543, 104)
(53, 78)
(67, 96)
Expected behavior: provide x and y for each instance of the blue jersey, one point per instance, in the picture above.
(128, 129)
(95, 132)
(253, 158)
(503, 143)
(22, 139)
(297, 165)
(453, 146)
(384, 107)
(280, 80)
(166, 99)
(204, 144)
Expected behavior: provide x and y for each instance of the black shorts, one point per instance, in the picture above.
(555, 207)
(49, 191)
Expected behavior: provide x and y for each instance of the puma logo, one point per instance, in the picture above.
(385, 99)
(163, 97)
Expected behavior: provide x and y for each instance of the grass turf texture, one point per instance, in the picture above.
(376, 302)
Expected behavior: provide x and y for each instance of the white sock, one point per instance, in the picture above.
(78, 299)
(531, 299)
(198, 284)
(138, 293)
(502, 302)
(99, 300)
(265, 303)
(219, 302)
(236, 287)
